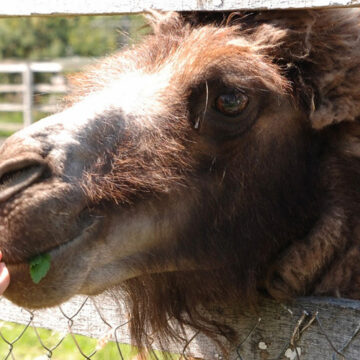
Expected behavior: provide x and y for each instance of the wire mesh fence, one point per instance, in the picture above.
(310, 329)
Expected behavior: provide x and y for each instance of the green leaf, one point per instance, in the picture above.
(39, 267)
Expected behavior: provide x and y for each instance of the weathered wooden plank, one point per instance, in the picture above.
(12, 68)
(27, 77)
(330, 328)
(8, 88)
(49, 88)
(80, 7)
(7, 126)
(18, 67)
(46, 66)
(47, 108)
(11, 107)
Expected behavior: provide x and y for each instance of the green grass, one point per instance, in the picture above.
(28, 347)
(5, 133)
(15, 118)
(11, 117)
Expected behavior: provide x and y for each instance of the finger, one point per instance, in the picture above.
(4, 277)
(0, 255)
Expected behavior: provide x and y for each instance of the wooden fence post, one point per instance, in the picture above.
(27, 76)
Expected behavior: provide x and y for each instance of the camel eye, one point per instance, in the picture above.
(231, 104)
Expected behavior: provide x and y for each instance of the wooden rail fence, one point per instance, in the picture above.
(28, 88)
(94, 7)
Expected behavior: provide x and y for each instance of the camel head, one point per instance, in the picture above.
(181, 167)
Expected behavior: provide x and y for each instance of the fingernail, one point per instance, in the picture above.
(3, 270)
(4, 278)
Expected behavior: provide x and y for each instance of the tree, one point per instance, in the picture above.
(40, 38)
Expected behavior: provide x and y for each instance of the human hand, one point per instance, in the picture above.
(4, 276)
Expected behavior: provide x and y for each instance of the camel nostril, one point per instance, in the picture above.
(18, 173)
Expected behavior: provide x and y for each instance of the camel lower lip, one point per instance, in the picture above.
(88, 229)
(58, 249)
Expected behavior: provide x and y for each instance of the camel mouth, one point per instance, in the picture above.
(87, 223)
(87, 220)
(40, 290)
(88, 231)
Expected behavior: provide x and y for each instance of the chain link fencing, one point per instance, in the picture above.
(310, 329)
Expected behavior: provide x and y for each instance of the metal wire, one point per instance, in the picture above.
(302, 324)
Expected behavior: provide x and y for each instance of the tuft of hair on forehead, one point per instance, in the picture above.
(164, 22)
(221, 52)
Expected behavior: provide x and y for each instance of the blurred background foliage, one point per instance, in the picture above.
(80, 39)
(45, 38)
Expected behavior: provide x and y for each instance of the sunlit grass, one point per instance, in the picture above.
(28, 347)
(7, 119)
(11, 117)
(5, 133)
(17, 117)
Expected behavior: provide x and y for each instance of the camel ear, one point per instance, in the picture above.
(321, 61)
(338, 98)
(333, 68)
(162, 22)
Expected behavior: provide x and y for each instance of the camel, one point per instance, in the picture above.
(215, 161)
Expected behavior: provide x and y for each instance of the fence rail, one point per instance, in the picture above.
(28, 87)
(95, 7)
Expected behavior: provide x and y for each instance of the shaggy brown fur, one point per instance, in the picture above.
(268, 199)
(304, 206)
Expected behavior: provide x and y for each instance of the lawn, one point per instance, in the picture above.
(28, 347)
(11, 117)
(12, 121)
(5, 133)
